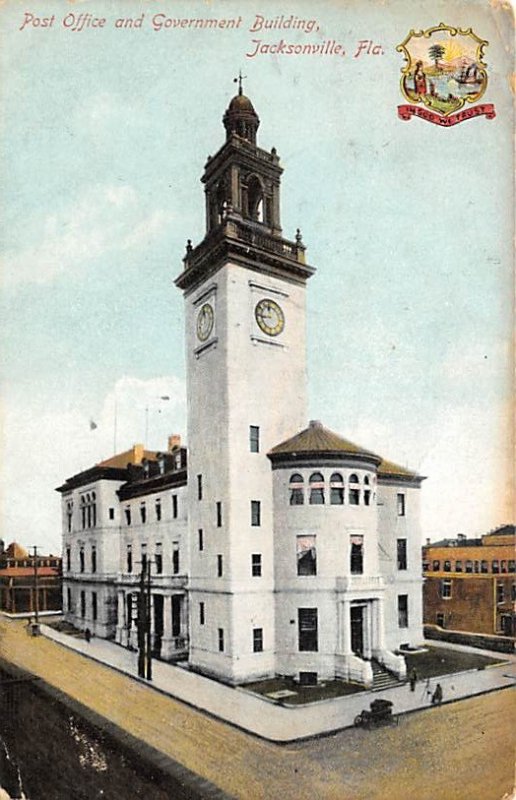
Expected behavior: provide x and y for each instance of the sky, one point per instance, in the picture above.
(104, 138)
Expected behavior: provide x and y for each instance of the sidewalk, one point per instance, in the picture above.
(271, 721)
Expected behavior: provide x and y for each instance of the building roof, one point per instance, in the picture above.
(15, 551)
(317, 440)
(134, 455)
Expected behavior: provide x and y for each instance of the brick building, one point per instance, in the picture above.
(470, 584)
(19, 573)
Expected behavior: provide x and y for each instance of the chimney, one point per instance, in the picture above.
(428, 542)
(137, 453)
(174, 442)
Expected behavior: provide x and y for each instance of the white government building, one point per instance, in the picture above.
(276, 548)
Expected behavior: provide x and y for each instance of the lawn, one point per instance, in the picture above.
(437, 661)
(303, 694)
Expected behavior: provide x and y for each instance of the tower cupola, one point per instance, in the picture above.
(241, 119)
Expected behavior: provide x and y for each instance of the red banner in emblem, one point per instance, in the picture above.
(484, 109)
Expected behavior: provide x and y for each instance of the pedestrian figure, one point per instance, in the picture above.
(87, 634)
(413, 680)
(437, 696)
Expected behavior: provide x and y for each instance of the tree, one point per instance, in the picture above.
(436, 52)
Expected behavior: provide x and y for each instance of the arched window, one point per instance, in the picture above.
(336, 489)
(366, 480)
(83, 512)
(354, 492)
(93, 509)
(316, 489)
(297, 490)
(255, 199)
(88, 511)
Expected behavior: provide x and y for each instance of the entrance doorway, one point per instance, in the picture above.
(357, 630)
(158, 624)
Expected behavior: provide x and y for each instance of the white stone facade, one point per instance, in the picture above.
(282, 549)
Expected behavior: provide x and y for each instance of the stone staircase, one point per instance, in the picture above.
(382, 678)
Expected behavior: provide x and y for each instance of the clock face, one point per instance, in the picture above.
(270, 317)
(205, 322)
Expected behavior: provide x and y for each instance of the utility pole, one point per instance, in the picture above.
(36, 587)
(148, 621)
(142, 615)
(144, 622)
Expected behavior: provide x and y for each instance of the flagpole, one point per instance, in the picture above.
(115, 425)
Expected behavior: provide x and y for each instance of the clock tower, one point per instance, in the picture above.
(244, 289)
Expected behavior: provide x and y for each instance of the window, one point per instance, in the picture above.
(127, 512)
(68, 559)
(400, 503)
(129, 558)
(495, 567)
(83, 604)
(202, 616)
(256, 565)
(297, 493)
(94, 606)
(436, 565)
(111, 513)
(69, 599)
(81, 559)
(354, 492)
(469, 566)
(513, 592)
(219, 514)
(69, 514)
(439, 619)
(157, 506)
(477, 566)
(201, 538)
(403, 611)
(402, 553)
(144, 556)
(220, 566)
(143, 513)
(158, 560)
(500, 593)
(336, 489)
(512, 565)
(447, 566)
(83, 511)
(367, 497)
(174, 506)
(93, 509)
(221, 640)
(175, 558)
(306, 555)
(307, 629)
(254, 438)
(503, 566)
(357, 555)
(484, 566)
(458, 566)
(255, 513)
(93, 558)
(316, 489)
(446, 589)
(199, 487)
(257, 640)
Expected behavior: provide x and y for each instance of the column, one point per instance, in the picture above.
(367, 628)
(346, 629)
(167, 642)
(120, 618)
(380, 625)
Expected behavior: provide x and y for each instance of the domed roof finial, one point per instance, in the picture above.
(239, 81)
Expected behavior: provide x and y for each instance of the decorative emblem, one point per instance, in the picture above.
(444, 70)
(270, 317)
(205, 322)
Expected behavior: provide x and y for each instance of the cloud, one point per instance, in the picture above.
(44, 446)
(103, 220)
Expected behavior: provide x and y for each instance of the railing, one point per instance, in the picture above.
(392, 662)
(353, 668)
